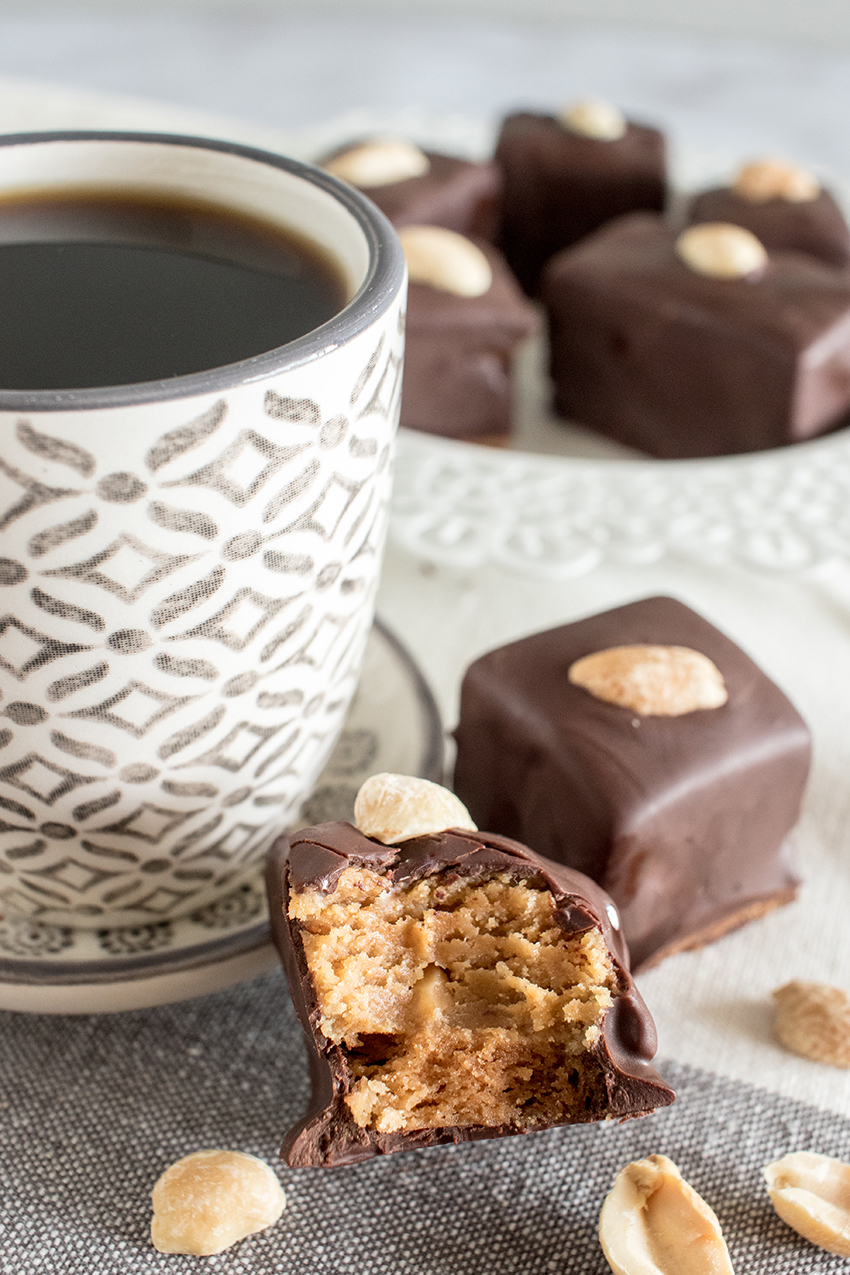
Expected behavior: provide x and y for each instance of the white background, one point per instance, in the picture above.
(818, 20)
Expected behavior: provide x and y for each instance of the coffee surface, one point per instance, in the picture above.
(100, 289)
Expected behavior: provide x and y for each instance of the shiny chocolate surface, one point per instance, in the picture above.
(678, 364)
(558, 186)
(457, 368)
(681, 819)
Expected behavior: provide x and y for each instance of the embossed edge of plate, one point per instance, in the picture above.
(781, 511)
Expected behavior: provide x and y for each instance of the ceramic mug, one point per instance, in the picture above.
(188, 566)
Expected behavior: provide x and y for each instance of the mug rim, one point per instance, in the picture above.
(384, 276)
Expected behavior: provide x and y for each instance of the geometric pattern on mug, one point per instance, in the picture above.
(351, 761)
(231, 568)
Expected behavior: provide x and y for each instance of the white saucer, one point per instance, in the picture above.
(393, 724)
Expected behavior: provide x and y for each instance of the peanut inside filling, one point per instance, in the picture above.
(457, 1002)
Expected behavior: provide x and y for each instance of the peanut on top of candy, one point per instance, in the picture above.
(721, 250)
(654, 681)
(765, 179)
(378, 163)
(595, 118)
(395, 808)
(445, 260)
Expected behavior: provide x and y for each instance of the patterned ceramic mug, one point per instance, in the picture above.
(188, 566)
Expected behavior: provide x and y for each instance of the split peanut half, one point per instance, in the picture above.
(654, 1223)
(812, 1194)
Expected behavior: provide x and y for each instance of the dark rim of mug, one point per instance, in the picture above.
(380, 287)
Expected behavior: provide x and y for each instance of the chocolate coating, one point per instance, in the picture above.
(455, 193)
(327, 1135)
(681, 819)
(558, 186)
(814, 226)
(457, 368)
(662, 358)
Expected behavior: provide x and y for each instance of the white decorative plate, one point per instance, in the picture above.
(459, 505)
(393, 724)
(562, 501)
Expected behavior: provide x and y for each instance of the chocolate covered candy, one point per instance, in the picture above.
(677, 361)
(465, 318)
(783, 206)
(563, 178)
(413, 186)
(452, 986)
(644, 748)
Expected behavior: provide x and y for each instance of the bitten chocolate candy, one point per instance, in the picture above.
(458, 194)
(454, 987)
(671, 361)
(679, 813)
(559, 186)
(457, 367)
(813, 226)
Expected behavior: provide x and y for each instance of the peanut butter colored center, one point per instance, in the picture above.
(456, 1002)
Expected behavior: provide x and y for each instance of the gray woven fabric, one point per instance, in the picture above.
(95, 1108)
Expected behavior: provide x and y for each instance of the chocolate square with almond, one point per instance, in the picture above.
(645, 749)
(559, 185)
(667, 359)
(458, 377)
(817, 227)
(452, 985)
(783, 206)
(438, 190)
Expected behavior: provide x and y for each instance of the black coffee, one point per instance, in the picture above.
(97, 289)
